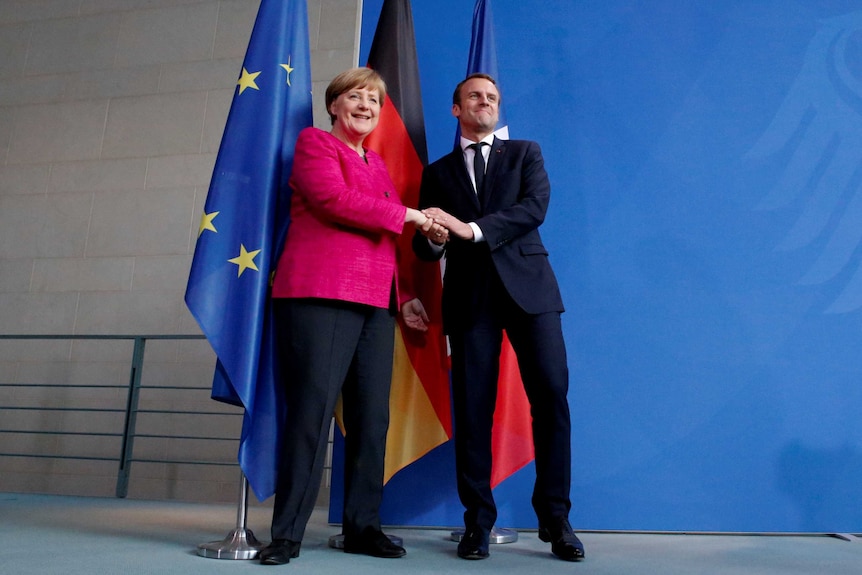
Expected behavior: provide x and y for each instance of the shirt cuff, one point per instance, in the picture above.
(478, 236)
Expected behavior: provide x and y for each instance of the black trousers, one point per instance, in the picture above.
(540, 348)
(330, 347)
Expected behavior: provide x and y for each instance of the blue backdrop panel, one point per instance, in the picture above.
(705, 226)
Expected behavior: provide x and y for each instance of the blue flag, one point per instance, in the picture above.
(483, 58)
(512, 437)
(243, 228)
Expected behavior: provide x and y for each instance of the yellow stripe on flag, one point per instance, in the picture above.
(414, 428)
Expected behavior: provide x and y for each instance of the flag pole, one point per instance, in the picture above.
(240, 543)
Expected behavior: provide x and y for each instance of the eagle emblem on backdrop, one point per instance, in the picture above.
(819, 127)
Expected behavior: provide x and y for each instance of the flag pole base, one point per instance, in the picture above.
(498, 535)
(239, 544)
(337, 541)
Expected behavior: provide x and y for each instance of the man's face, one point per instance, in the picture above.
(479, 109)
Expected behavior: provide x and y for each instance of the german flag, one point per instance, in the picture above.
(420, 412)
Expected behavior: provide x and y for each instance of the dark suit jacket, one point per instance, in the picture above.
(516, 200)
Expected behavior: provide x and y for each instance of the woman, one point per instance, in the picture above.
(337, 292)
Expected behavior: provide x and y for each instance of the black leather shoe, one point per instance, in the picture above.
(373, 542)
(564, 543)
(279, 552)
(474, 544)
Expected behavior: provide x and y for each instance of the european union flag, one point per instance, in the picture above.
(243, 226)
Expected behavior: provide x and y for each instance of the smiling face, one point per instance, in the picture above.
(478, 109)
(355, 113)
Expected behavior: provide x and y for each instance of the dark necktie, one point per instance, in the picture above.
(479, 170)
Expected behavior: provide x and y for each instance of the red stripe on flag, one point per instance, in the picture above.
(512, 436)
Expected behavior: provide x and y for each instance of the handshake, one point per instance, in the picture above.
(438, 226)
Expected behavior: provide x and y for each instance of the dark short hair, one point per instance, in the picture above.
(456, 96)
(354, 78)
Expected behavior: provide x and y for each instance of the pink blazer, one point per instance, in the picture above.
(345, 218)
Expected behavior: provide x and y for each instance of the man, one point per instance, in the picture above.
(498, 277)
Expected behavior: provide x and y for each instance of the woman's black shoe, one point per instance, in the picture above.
(374, 543)
(279, 552)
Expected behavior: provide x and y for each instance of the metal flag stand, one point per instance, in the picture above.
(498, 535)
(239, 543)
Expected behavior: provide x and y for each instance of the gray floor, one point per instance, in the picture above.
(47, 534)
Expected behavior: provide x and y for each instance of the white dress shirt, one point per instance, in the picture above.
(469, 152)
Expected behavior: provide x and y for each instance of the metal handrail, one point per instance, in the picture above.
(128, 434)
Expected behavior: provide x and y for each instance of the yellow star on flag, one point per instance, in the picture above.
(288, 69)
(244, 260)
(207, 223)
(247, 80)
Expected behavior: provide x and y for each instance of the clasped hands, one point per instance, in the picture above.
(440, 225)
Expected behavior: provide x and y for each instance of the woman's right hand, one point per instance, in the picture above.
(415, 217)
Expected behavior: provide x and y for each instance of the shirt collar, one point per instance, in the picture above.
(489, 139)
